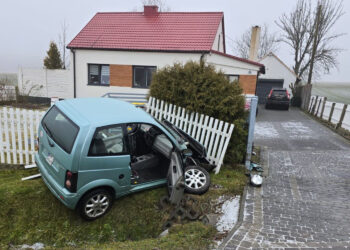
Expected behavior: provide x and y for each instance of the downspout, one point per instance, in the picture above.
(74, 78)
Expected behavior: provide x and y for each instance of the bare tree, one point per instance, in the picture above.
(162, 5)
(309, 27)
(268, 43)
(62, 43)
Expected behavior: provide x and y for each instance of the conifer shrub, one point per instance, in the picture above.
(200, 88)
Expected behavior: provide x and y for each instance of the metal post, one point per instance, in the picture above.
(252, 116)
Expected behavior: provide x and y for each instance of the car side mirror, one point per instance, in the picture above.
(187, 152)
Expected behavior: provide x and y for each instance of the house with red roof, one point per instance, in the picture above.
(117, 52)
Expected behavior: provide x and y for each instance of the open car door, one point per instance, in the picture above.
(176, 183)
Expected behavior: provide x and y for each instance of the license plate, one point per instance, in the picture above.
(49, 159)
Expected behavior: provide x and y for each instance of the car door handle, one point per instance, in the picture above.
(50, 143)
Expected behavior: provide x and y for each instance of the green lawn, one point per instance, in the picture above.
(29, 213)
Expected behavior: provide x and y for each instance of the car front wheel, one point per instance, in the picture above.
(95, 204)
(197, 180)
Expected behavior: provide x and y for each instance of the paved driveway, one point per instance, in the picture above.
(305, 199)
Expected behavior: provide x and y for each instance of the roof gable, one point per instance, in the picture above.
(279, 60)
(163, 31)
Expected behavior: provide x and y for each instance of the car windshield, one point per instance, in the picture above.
(60, 128)
(172, 131)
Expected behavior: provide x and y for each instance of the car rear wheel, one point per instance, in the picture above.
(197, 180)
(95, 204)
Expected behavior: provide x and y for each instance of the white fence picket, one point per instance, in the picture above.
(13, 137)
(31, 134)
(7, 138)
(2, 155)
(227, 140)
(25, 134)
(19, 136)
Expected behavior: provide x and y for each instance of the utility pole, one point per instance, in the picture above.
(319, 11)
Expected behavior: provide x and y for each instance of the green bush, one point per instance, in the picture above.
(199, 87)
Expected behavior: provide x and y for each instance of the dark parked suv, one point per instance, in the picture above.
(278, 98)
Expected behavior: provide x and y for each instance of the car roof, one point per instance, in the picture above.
(102, 111)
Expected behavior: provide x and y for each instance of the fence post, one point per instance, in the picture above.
(323, 106)
(318, 107)
(331, 114)
(312, 102)
(341, 116)
(314, 106)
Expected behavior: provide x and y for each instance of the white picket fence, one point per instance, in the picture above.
(316, 107)
(18, 133)
(212, 133)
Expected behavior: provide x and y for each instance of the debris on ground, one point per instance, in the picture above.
(35, 246)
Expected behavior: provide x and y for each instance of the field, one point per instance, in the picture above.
(335, 92)
(29, 213)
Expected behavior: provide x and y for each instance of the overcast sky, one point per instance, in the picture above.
(28, 26)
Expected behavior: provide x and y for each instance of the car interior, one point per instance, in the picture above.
(150, 151)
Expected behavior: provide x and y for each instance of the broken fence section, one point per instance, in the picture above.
(214, 134)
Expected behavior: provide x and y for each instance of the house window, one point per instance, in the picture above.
(233, 78)
(98, 74)
(142, 76)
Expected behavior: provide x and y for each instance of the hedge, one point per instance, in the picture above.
(200, 88)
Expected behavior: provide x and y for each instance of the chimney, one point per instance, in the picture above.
(150, 10)
(254, 43)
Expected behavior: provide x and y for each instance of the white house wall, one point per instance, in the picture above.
(219, 39)
(159, 59)
(83, 57)
(274, 69)
(231, 66)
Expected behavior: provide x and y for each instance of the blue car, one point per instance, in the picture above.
(94, 150)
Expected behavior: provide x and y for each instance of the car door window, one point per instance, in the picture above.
(108, 141)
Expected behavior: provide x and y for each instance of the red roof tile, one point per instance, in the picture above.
(162, 31)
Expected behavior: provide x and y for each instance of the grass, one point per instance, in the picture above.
(29, 213)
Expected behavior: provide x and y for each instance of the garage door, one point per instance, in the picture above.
(264, 86)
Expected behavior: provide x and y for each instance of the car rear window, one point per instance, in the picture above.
(60, 129)
(279, 92)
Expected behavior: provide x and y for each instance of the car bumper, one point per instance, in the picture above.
(277, 102)
(69, 199)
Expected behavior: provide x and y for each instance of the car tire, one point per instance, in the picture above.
(197, 180)
(287, 107)
(95, 204)
(267, 106)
